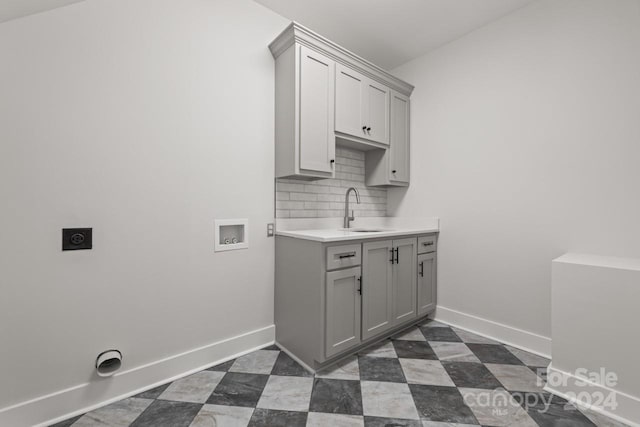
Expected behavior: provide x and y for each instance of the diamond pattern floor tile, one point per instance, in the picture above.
(347, 369)
(336, 396)
(118, 414)
(319, 419)
(516, 378)
(221, 415)
(258, 362)
(472, 375)
(195, 388)
(453, 352)
(287, 393)
(494, 353)
(428, 376)
(388, 400)
(237, 389)
(381, 369)
(428, 372)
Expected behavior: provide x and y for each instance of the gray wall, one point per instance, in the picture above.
(130, 117)
(525, 142)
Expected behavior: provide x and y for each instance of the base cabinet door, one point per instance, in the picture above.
(426, 283)
(377, 288)
(342, 316)
(404, 280)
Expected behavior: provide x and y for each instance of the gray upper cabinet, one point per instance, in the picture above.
(305, 90)
(426, 283)
(391, 167)
(377, 288)
(404, 280)
(362, 106)
(325, 94)
(342, 316)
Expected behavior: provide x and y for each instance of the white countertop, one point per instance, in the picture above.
(330, 231)
(336, 235)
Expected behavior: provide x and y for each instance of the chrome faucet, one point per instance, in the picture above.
(348, 218)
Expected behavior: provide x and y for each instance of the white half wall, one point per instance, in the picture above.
(525, 143)
(145, 120)
(594, 306)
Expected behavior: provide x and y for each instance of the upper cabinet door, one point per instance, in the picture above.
(376, 106)
(350, 91)
(317, 100)
(399, 142)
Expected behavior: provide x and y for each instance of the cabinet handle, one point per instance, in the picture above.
(392, 258)
(360, 285)
(332, 161)
(427, 243)
(394, 171)
(368, 130)
(422, 269)
(397, 255)
(364, 129)
(347, 256)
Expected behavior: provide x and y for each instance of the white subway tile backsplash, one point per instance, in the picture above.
(286, 186)
(324, 198)
(303, 196)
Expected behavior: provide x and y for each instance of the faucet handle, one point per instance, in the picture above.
(353, 216)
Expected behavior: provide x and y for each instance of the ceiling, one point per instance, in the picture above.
(392, 32)
(11, 9)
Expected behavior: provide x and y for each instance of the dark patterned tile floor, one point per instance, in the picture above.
(428, 376)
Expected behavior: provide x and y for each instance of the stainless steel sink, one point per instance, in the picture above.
(365, 230)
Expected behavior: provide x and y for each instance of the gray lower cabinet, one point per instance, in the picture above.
(404, 280)
(426, 283)
(377, 287)
(342, 310)
(334, 298)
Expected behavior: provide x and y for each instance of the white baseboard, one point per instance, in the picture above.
(514, 337)
(584, 393)
(67, 403)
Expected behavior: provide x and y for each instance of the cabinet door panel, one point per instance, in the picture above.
(427, 288)
(377, 290)
(404, 280)
(342, 310)
(317, 96)
(377, 111)
(399, 140)
(349, 98)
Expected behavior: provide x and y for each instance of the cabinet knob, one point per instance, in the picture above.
(364, 128)
(332, 161)
(393, 171)
(368, 129)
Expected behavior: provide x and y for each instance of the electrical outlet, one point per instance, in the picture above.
(270, 229)
(76, 238)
